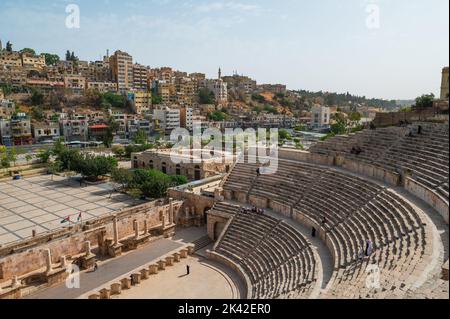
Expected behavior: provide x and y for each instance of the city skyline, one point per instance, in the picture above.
(201, 36)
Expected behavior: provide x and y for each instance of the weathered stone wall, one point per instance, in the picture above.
(394, 118)
(379, 173)
(427, 196)
(213, 220)
(197, 204)
(25, 261)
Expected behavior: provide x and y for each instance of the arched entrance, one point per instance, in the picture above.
(197, 173)
(205, 215)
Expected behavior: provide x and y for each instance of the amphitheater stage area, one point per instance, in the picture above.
(40, 203)
(207, 280)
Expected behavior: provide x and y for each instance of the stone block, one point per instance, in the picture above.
(161, 265)
(145, 274)
(116, 288)
(153, 269)
(126, 283)
(105, 293)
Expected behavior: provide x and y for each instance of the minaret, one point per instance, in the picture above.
(1, 46)
(220, 73)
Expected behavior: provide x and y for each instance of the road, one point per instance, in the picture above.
(109, 271)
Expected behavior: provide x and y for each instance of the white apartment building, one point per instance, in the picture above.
(320, 116)
(168, 119)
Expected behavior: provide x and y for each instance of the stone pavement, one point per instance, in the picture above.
(207, 280)
(109, 270)
(40, 203)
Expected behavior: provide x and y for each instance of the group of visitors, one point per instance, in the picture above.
(356, 150)
(366, 249)
(253, 210)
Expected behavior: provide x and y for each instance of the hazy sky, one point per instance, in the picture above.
(315, 45)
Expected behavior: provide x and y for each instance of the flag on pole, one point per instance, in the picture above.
(66, 220)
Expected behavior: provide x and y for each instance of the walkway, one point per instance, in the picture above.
(110, 270)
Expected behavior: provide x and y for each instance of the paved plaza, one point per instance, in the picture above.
(41, 203)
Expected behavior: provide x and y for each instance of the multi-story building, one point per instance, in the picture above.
(167, 91)
(141, 101)
(166, 118)
(320, 116)
(272, 88)
(75, 83)
(121, 64)
(136, 125)
(97, 132)
(444, 83)
(7, 107)
(98, 71)
(218, 87)
(121, 119)
(240, 83)
(75, 129)
(21, 129)
(31, 61)
(102, 87)
(10, 60)
(194, 164)
(44, 85)
(5, 132)
(45, 131)
(13, 76)
(186, 91)
(186, 118)
(140, 77)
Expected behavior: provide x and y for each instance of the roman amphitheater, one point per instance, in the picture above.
(359, 216)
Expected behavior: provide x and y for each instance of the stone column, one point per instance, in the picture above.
(145, 227)
(87, 248)
(63, 261)
(164, 220)
(186, 212)
(136, 228)
(48, 260)
(15, 282)
(116, 232)
(193, 211)
(170, 211)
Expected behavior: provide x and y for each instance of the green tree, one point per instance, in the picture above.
(112, 129)
(28, 51)
(206, 96)
(54, 168)
(259, 98)
(44, 156)
(28, 158)
(156, 99)
(37, 98)
(425, 101)
(51, 59)
(284, 134)
(92, 167)
(140, 137)
(113, 100)
(122, 176)
(37, 113)
(218, 116)
(9, 46)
